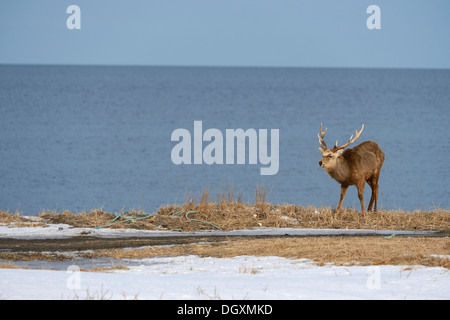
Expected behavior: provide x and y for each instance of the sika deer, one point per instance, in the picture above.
(353, 166)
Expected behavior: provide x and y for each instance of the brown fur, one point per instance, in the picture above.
(355, 166)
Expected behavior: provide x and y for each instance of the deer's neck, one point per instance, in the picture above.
(340, 172)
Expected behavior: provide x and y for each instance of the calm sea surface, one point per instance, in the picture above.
(80, 138)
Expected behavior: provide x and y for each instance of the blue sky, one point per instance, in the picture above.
(291, 33)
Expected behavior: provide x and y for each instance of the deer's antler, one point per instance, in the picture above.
(351, 140)
(321, 134)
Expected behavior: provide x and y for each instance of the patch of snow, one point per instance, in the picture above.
(57, 231)
(244, 277)
(289, 219)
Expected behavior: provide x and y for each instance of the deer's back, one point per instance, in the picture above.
(366, 157)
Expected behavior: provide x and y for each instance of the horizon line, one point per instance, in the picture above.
(218, 66)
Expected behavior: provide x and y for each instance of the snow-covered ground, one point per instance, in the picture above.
(245, 277)
(55, 231)
(191, 277)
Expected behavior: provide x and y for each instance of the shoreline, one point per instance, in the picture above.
(229, 215)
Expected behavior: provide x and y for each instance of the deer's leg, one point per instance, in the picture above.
(360, 187)
(343, 191)
(376, 197)
(375, 188)
(372, 198)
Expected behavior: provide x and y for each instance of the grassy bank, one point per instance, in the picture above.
(232, 215)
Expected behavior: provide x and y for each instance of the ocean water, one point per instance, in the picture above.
(84, 137)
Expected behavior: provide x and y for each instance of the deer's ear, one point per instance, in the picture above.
(340, 152)
(321, 150)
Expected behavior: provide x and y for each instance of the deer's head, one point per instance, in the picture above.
(330, 157)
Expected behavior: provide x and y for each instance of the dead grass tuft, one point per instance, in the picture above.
(15, 220)
(31, 256)
(105, 269)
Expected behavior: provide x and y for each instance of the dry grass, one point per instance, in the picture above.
(9, 266)
(15, 220)
(31, 256)
(230, 214)
(322, 250)
(93, 269)
(105, 269)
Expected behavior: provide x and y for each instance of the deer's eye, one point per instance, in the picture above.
(329, 157)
